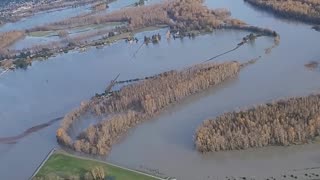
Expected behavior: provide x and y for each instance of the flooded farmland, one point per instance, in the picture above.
(49, 89)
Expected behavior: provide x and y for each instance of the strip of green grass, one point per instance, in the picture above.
(42, 33)
(63, 165)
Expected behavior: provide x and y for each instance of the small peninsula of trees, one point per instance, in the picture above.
(304, 10)
(281, 123)
(137, 102)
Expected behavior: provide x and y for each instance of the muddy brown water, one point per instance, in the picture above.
(51, 88)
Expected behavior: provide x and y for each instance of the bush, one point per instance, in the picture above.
(63, 33)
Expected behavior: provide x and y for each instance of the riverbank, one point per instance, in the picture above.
(60, 164)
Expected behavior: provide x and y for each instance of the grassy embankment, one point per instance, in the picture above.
(64, 165)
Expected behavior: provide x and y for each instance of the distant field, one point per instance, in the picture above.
(75, 30)
(64, 165)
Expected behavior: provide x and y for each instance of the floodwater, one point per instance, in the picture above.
(166, 142)
(44, 18)
(51, 88)
(58, 15)
(30, 41)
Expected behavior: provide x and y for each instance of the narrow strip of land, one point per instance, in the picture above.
(59, 164)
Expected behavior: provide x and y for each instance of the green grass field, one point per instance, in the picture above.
(42, 33)
(64, 165)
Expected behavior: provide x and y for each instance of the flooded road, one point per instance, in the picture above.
(51, 88)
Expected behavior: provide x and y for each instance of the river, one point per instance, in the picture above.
(51, 88)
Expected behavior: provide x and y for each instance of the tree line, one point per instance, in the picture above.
(305, 10)
(181, 14)
(280, 123)
(137, 102)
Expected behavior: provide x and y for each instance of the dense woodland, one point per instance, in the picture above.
(305, 10)
(183, 16)
(281, 123)
(138, 102)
